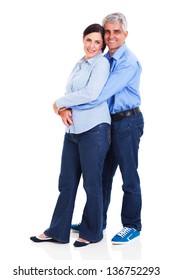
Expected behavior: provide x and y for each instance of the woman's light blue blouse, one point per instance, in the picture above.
(83, 86)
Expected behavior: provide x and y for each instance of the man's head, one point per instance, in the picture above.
(115, 26)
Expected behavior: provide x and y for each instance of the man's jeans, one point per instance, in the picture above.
(123, 152)
(82, 154)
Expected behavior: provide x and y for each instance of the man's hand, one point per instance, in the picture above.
(66, 116)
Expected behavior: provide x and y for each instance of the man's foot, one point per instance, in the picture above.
(75, 227)
(125, 235)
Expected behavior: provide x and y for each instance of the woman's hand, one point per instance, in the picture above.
(64, 113)
(66, 116)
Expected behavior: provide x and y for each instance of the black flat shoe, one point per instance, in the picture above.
(80, 243)
(38, 239)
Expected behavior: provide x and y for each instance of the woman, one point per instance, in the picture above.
(86, 143)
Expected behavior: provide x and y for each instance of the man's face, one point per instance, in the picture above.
(114, 36)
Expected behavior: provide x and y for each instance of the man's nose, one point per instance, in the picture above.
(111, 35)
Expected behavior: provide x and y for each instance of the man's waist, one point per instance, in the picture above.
(126, 113)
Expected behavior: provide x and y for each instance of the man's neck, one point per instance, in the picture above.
(113, 50)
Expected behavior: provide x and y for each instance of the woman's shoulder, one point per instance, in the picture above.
(101, 59)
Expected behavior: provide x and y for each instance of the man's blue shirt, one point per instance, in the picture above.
(122, 87)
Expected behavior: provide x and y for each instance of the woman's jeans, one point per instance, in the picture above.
(82, 154)
(123, 152)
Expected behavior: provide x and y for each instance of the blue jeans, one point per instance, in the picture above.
(83, 154)
(123, 152)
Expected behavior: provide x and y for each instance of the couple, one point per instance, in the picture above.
(103, 129)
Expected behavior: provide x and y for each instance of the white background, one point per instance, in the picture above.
(40, 41)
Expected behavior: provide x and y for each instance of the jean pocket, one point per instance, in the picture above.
(139, 131)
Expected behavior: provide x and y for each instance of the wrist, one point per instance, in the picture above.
(61, 110)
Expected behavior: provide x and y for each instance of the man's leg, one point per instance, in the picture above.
(109, 169)
(126, 135)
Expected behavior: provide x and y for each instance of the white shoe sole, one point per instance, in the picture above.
(127, 242)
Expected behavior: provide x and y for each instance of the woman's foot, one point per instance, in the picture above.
(81, 242)
(42, 238)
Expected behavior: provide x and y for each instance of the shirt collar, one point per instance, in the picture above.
(90, 61)
(118, 53)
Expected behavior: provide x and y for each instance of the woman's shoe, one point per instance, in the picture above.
(82, 242)
(40, 239)
(78, 243)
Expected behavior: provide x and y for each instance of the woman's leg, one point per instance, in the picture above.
(93, 146)
(68, 182)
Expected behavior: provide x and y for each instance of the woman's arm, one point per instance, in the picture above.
(91, 91)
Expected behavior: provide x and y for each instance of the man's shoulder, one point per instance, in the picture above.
(128, 59)
(130, 55)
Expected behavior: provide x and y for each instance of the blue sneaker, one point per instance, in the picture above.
(75, 227)
(125, 235)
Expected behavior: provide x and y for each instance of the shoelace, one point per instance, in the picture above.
(124, 231)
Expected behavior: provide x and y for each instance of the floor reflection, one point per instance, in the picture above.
(130, 251)
(103, 250)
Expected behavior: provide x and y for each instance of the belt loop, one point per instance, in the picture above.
(134, 111)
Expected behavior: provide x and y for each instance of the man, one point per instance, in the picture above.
(122, 92)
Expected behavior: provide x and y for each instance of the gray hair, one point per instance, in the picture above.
(114, 18)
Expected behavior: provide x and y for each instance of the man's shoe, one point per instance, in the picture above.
(125, 235)
(75, 227)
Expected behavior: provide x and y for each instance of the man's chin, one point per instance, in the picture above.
(112, 50)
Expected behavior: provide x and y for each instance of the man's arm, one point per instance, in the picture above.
(91, 91)
(117, 81)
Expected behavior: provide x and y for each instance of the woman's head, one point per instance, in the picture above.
(93, 39)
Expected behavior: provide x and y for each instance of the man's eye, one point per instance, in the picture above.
(117, 31)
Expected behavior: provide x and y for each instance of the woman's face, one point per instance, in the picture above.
(93, 43)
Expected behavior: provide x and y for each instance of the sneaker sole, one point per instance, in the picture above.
(127, 242)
